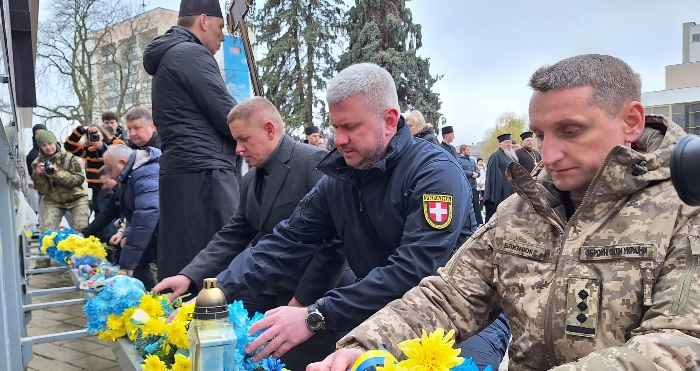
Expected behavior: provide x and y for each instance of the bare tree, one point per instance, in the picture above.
(507, 122)
(81, 43)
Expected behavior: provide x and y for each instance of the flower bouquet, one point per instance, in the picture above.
(432, 352)
(68, 248)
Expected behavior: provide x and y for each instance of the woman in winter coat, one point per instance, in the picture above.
(419, 129)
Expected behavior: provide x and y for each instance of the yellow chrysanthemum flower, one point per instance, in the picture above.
(151, 306)
(184, 314)
(177, 334)
(115, 322)
(90, 246)
(153, 363)
(154, 326)
(182, 363)
(110, 335)
(72, 243)
(432, 352)
(47, 242)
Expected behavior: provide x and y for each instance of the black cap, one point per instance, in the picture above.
(447, 130)
(311, 130)
(503, 137)
(525, 135)
(210, 8)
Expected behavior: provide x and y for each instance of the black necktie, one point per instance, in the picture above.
(260, 175)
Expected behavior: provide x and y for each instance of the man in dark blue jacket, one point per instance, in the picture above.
(137, 173)
(471, 171)
(399, 204)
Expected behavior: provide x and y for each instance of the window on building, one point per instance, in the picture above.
(696, 37)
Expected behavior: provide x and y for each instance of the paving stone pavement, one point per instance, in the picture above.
(88, 353)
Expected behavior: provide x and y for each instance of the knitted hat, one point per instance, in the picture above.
(45, 137)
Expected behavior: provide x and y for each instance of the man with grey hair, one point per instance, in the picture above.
(497, 186)
(142, 131)
(137, 173)
(594, 261)
(400, 206)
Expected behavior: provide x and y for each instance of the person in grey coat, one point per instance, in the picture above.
(284, 172)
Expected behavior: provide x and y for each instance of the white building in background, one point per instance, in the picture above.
(680, 101)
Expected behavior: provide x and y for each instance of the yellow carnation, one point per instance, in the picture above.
(184, 314)
(153, 363)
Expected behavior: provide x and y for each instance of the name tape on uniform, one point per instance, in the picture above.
(626, 251)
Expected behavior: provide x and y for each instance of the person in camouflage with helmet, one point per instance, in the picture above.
(594, 261)
(61, 184)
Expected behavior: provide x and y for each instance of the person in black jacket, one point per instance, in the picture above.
(418, 127)
(199, 184)
(137, 173)
(34, 152)
(471, 171)
(448, 135)
(111, 120)
(284, 172)
(399, 204)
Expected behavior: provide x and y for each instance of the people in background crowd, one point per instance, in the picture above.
(110, 119)
(528, 156)
(199, 166)
(448, 135)
(59, 176)
(497, 187)
(313, 135)
(97, 139)
(419, 129)
(103, 226)
(142, 130)
(481, 183)
(471, 171)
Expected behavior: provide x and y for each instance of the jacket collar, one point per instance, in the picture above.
(138, 158)
(625, 171)
(334, 164)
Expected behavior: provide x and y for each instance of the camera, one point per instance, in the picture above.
(47, 167)
(685, 168)
(93, 137)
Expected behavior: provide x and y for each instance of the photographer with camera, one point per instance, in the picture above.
(59, 176)
(97, 141)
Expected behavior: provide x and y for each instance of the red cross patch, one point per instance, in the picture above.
(437, 210)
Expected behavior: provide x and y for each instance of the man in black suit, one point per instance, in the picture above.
(284, 172)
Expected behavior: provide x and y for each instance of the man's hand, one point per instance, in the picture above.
(178, 284)
(286, 328)
(114, 240)
(475, 175)
(340, 360)
(117, 223)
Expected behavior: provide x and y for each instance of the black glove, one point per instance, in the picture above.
(81, 130)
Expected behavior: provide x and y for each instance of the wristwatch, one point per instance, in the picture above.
(314, 318)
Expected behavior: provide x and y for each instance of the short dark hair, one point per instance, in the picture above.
(187, 21)
(103, 172)
(613, 81)
(109, 115)
(462, 147)
(139, 112)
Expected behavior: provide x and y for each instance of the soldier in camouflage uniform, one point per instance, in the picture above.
(595, 262)
(63, 190)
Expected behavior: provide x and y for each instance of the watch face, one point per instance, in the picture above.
(314, 321)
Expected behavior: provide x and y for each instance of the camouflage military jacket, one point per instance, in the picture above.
(615, 287)
(66, 190)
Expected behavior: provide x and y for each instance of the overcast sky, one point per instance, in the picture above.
(487, 50)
